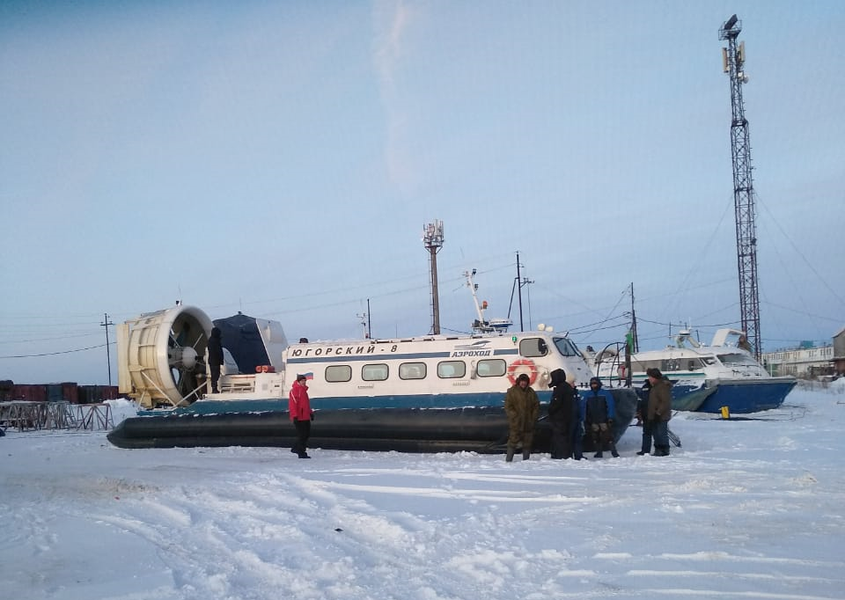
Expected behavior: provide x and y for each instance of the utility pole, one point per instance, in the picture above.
(631, 342)
(733, 62)
(518, 282)
(519, 291)
(635, 345)
(433, 242)
(106, 323)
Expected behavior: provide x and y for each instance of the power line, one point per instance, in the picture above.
(56, 353)
(801, 254)
(728, 324)
(806, 314)
(49, 339)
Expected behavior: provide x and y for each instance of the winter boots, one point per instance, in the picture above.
(658, 451)
(526, 454)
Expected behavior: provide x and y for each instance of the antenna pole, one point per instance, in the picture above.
(519, 291)
(363, 321)
(733, 62)
(473, 287)
(634, 335)
(433, 242)
(106, 323)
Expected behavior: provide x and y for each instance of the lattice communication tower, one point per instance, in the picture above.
(733, 61)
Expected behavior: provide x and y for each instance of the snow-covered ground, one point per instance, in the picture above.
(751, 508)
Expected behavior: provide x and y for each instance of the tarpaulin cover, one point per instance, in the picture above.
(242, 339)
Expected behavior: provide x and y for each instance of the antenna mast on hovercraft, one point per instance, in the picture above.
(482, 325)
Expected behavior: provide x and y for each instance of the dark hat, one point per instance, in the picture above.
(523, 377)
(654, 372)
(301, 377)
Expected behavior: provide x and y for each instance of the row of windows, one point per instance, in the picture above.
(675, 364)
(446, 369)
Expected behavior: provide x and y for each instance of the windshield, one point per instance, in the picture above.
(737, 359)
(566, 347)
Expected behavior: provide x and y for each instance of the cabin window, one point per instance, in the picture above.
(415, 370)
(338, 373)
(451, 369)
(645, 365)
(672, 364)
(531, 347)
(491, 368)
(377, 372)
(566, 347)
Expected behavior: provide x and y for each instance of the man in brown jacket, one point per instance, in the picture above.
(522, 407)
(659, 410)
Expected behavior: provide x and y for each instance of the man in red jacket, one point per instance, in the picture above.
(299, 407)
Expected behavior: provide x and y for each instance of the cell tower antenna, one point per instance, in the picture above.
(433, 242)
(733, 63)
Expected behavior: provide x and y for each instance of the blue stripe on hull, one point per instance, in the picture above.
(480, 399)
(747, 398)
(493, 399)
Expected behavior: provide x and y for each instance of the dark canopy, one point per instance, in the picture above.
(242, 339)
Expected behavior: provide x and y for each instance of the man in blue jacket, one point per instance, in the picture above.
(600, 412)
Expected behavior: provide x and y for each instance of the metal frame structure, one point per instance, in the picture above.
(733, 59)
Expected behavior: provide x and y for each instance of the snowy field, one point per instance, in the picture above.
(745, 509)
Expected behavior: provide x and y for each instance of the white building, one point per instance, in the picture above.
(800, 362)
(838, 357)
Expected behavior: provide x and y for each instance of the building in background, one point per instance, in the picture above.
(838, 358)
(806, 362)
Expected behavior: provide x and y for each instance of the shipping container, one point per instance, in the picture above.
(32, 392)
(70, 392)
(95, 394)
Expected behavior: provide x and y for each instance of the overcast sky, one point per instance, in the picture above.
(281, 158)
